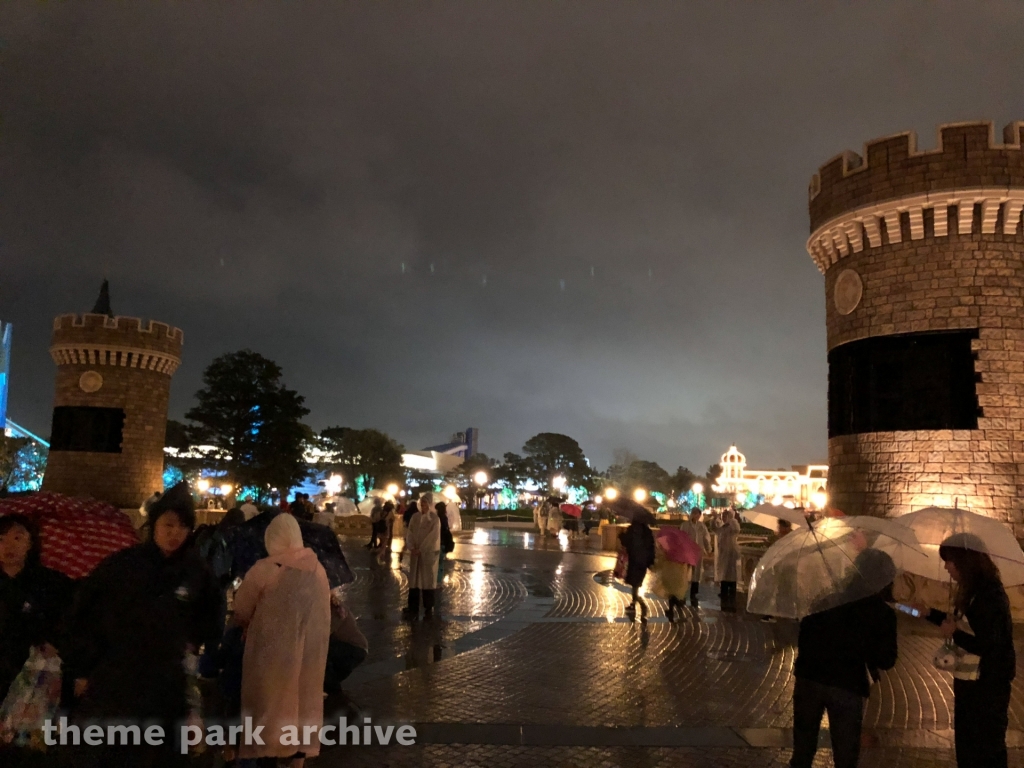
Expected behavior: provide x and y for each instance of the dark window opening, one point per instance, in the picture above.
(83, 428)
(910, 381)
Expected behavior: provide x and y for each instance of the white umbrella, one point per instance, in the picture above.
(821, 567)
(451, 508)
(767, 515)
(934, 525)
(344, 506)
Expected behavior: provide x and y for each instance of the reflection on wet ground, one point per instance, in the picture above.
(532, 646)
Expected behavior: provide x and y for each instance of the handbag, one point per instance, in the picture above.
(32, 699)
(951, 658)
(621, 562)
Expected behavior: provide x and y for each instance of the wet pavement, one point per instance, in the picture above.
(534, 661)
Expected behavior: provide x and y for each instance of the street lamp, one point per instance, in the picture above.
(392, 489)
(480, 478)
(640, 495)
(698, 489)
(598, 500)
(611, 494)
(558, 483)
(203, 485)
(451, 493)
(225, 489)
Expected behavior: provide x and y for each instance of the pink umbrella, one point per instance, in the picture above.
(679, 547)
(571, 510)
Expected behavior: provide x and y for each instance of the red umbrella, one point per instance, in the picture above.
(571, 510)
(679, 547)
(75, 534)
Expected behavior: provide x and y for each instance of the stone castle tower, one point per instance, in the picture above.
(923, 257)
(110, 408)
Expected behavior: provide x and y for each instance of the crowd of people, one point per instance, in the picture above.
(842, 650)
(129, 635)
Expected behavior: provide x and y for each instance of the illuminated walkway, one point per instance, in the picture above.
(534, 662)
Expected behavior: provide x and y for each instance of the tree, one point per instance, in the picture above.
(366, 453)
(22, 463)
(683, 480)
(641, 474)
(514, 471)
(253, 422)
(553, 454)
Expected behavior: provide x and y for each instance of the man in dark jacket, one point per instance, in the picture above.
(837, 650)
(135, 617)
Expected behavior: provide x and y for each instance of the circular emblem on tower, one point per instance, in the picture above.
(847, 291)
(90, 382)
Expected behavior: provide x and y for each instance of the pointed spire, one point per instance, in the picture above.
(102, 306)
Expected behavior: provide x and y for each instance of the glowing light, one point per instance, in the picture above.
(451, 493)
(203, 485)
(333, 485)
(672, 503)
(481, 536)
(563, 540)
(777, 500)
(558, 483)
(819, 499)
(225, 489)
(598, 500)
(392, 489)
(611, 494)
(640, 494)
(480, 478)
(698, 488)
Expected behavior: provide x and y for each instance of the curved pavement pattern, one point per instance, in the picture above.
(533, 662)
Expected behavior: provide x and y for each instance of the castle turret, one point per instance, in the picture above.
(110, 408)
(923, 257)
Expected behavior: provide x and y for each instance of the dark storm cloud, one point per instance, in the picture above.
(580, 217)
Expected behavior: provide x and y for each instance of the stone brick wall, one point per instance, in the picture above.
(124, 479)
(967, 273)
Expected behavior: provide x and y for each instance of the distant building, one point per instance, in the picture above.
(5, 370)
(802, 486)
(440, 459)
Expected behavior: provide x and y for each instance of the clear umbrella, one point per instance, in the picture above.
(836, 561)
(767, 515)
(934, 525)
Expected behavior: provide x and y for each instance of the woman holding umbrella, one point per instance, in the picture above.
(33, 599)
(638, 541)
(981, 690)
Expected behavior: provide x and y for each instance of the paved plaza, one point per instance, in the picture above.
(534, 662)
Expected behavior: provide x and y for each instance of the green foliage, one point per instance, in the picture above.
(22, 463)
(366, 452)
(253, 421)
(514, 470)
(553, 454)
(462, 476)
(641, 474)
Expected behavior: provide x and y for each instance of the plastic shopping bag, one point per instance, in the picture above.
(32, 699)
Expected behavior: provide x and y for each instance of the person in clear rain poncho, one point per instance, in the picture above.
(284, 603)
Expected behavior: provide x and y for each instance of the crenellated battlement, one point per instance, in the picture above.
(892, 167)
(121, 330)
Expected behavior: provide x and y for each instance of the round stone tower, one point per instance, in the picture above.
(923, 257)
(110, 409)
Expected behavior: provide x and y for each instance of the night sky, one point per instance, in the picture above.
(585, 218)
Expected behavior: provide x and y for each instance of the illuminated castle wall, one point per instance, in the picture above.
(923, 257)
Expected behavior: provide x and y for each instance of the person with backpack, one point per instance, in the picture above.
(638, 541)
(840, 651)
